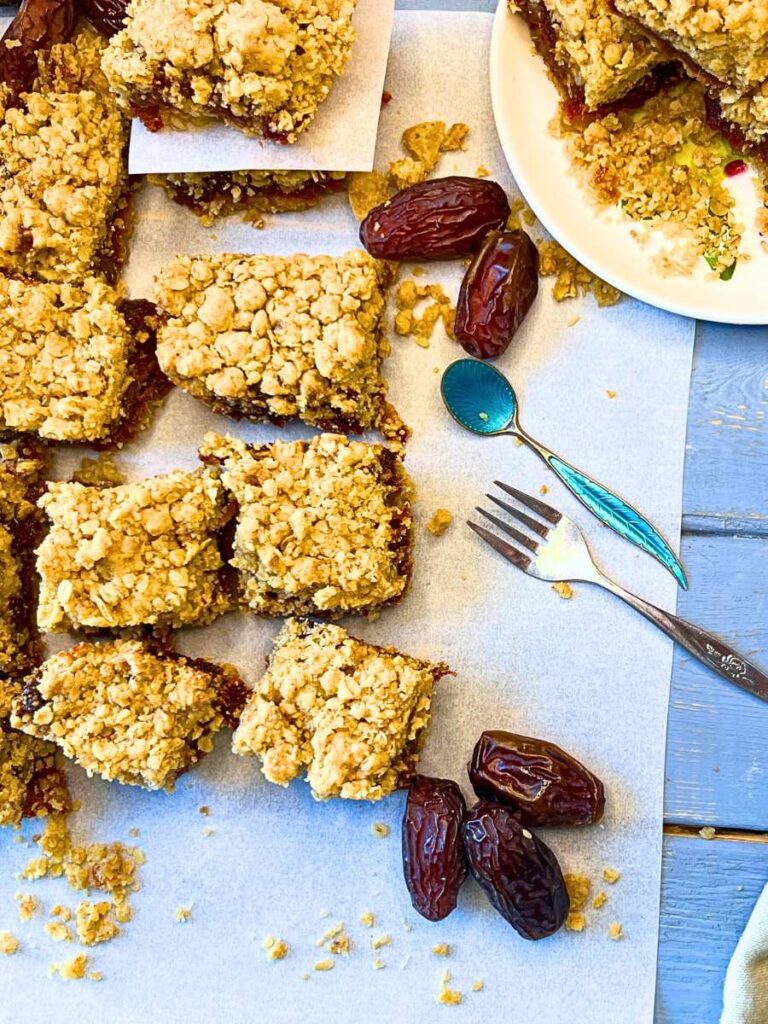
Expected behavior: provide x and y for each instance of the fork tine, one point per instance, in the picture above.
(511, 554)
(541, 508)
(532, 524)
(510, 530)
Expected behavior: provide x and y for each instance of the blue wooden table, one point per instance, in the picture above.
(717, 755)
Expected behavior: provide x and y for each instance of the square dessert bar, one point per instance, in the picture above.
(723, 41)
(136, 554)
(741, 118)
(129, 711)
(280, 337)
(21, 483)
(595, 56)
(222, 193)
(323, 526)
(72, 367)
(349, 713)
(263, 66)
(63, 184)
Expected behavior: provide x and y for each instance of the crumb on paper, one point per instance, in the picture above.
(578, 887)
(478, 985)
(447, 995)
(276, 949)
(441, 949)
(407, 926)
(95, 976)
(416, 317)
(95, 922)
(611, 394)
(707, 832)
(134, 833)
(378, 964)
(367, 189)
(571, 278)
(543, 490)
(615, 931)
(182, 914)
(380, 829)
(611, 875)
(73, 969)
(381, 940)
(439, 522)
(9, 944)
(565, 590)
(600, 900)
(58, 931)
(336, 940)
(576, 921)
(28, 904)
(482, 171)
(101, 471)
(204, 810)
(367, 919)
(573, 321)
(324, 965)
(60, 911)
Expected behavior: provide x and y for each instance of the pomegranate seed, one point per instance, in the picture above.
(735, 167)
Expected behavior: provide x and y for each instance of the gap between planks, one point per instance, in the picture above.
(739, 835)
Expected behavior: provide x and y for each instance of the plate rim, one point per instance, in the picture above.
(615, 278)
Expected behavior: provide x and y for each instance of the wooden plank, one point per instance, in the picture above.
(718, 735)
(708, 891)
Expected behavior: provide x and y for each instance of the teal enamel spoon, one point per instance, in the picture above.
(482, 400)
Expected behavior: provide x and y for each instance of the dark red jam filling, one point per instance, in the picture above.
(731, 132)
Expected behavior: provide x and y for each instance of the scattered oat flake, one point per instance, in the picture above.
(575, 922)
(367, 919)
(611, 394)
(380, 829)
(441, 949)
(95, 923)
(578, 887)
(573, 321)
(134, 833)
(28, 904)
(324, 965)
(378, 964)
(478, 986)
(95, 976)
(182, 914)
(565, 590)
(600, 900)
(275, 948)
(707, 832)
(439, 522)
(615, 931)
(611, 875)
(543, 490)
(482, 171)
(73, 969)
(58, 931)
(9, 944)
(447, 995)
(381, 940)
(59, 910)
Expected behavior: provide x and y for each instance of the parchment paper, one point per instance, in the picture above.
(342, 136)
(587, 673)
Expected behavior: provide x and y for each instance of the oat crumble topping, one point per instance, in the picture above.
(571, 278)
(125, 710)
(139, 553)
(323, 526)
(349, 713)
(272, 337)
(263, 66)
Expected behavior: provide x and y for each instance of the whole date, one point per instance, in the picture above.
(433, 855)
(38, 24)
(498, 289)
(518, 873)
(439, 219)
(539, 781)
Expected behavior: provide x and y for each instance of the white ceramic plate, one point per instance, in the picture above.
(524, 103)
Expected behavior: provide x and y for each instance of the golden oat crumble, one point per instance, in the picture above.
(571, 278)
(439, 522)
(64, 359)
(600, 900)
(62, 912)
(263, 66)
(336, 940)
(58, 931)
(28, 904)
(125, 710)
(223, 193)
(425, 143)
(183, 914)
(349, 713)
(578, 887)
(663, 167)
(323, 526)
(448, 996)
(616, 931)
(575, 921)
(378, 964)
(478, 986)
(564, 590)
(9, 944)
(415, 317)
(380, 829)
(324, 965)
(722, 39)
(274, 337)
(380, 941)
(441, 949)
(603, 54)
(31, 784)
(63, 184)
(74, 969)
(367, 919)
(275, 948)
(74, 65)
(138, 553)
(102, 470)
(611, 875)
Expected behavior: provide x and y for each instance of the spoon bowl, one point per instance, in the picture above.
(479, 397)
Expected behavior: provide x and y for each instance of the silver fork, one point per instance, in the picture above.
(558, 552)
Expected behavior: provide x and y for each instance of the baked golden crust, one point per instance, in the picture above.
(264, 66)
(31, 784)
(726, 40)
(125, 710)
(273, 337)
(64, 359)
(586, 43)
(323, 526)
(137, 554)
(348, 712)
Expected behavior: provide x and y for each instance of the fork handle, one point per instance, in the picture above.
(709, 650)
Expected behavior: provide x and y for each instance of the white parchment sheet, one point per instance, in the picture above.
(342, 136)
(587, 673)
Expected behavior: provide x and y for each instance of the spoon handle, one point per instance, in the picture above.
(612, 510)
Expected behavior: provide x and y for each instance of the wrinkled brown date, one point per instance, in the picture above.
(498, 289)
(444, 218)
(433, 855)
(37, 26)
(517, 872)
(540, 781)
(106, 16)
